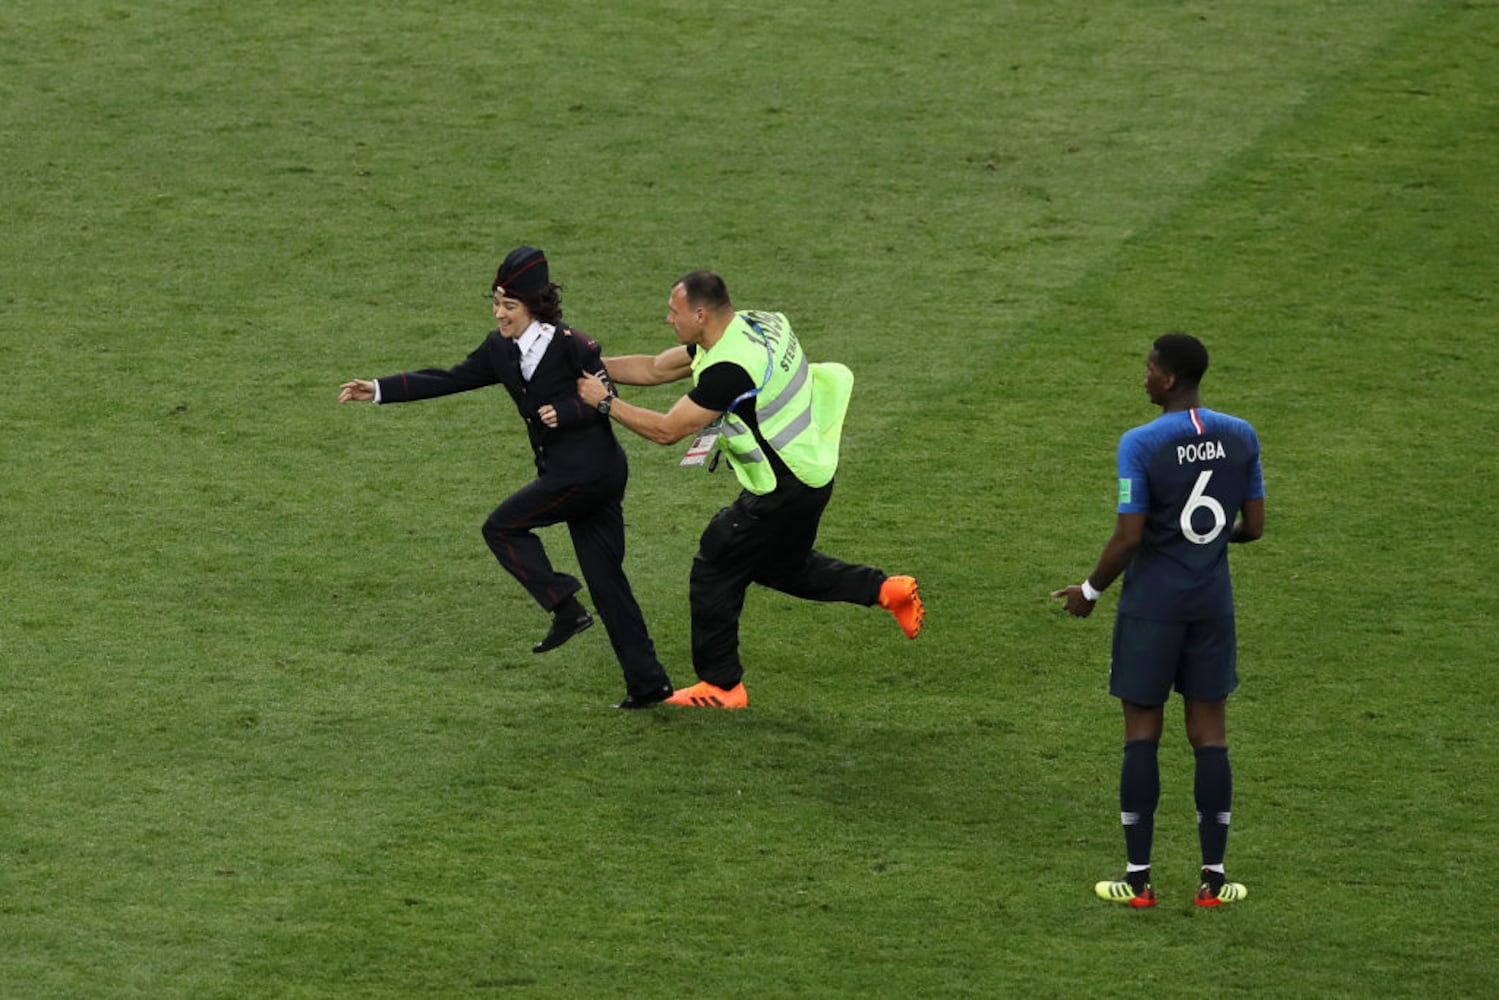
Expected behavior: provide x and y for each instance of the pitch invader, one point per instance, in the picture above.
(1189, 484)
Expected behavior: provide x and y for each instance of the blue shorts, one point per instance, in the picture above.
(1199, 658)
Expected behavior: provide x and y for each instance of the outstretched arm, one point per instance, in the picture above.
(650, 369)
(473, 372)
(684, 418)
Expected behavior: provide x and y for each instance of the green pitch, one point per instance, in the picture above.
(269, 721)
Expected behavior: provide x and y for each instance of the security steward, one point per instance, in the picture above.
(777, 419)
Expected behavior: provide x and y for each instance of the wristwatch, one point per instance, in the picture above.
(604, 405)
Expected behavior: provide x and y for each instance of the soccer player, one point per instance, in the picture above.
(1189, 483)
(777, 418)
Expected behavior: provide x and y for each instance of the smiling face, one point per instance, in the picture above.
(511, 315)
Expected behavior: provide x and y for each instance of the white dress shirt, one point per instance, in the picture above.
(533, 344)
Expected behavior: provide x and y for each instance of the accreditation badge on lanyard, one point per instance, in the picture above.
(697, 452)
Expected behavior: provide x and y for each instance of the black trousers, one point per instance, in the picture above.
(766, 540)
(596, 522)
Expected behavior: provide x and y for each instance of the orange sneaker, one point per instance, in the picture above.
(898, 595)
(705, 695)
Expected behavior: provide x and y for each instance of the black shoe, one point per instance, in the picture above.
(655, 697)
(562, 630)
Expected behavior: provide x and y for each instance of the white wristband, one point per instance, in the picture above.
(1089, 593)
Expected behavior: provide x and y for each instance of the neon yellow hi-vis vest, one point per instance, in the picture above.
(799, 406)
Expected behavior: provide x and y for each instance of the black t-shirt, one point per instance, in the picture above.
(718, 386)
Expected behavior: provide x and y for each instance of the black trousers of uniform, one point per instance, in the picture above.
(766, 540)
(596, 522)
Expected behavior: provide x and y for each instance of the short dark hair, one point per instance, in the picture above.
(544, 304)
(1182, 355)
(705, 289)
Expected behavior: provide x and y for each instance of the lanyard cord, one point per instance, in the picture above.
(770, 360)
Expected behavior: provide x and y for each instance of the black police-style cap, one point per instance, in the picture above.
(523, 270)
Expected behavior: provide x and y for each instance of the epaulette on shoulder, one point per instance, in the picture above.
(582, 339)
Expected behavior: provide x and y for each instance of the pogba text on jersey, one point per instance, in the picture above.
(1199, 451)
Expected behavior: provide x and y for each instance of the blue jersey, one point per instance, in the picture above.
(1188, 472)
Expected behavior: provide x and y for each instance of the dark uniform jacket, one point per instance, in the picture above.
(582, 445)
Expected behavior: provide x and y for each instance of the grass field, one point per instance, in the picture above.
(269, 722)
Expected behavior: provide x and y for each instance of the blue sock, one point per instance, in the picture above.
(1213, 787)
(1139, 791)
